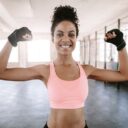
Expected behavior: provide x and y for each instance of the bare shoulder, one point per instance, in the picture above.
(88, 69)
(103, 74)
(43, 70)
(42, 67)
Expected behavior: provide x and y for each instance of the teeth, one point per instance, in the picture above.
(65, 46)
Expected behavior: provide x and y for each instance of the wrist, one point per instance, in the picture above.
(12, 39)
(12, 42)
(121, 45)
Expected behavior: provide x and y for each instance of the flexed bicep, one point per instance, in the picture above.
(107, 75)
(20, 74)
(103, 74)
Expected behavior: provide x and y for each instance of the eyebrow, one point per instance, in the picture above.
(63, 32)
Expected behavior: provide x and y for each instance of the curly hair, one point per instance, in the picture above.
(62, 13)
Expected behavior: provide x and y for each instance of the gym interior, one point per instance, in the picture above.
(25, 104)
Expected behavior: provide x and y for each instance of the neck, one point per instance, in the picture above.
(64, 60)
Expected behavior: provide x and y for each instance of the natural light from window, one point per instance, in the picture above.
(38, 51)
(76, 52)
(14, 53)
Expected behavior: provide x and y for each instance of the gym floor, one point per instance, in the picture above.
(25, 105)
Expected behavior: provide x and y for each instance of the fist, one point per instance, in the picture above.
(115, 36)
(21, 34)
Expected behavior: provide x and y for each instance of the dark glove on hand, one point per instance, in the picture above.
(21, 34)
(115, 36)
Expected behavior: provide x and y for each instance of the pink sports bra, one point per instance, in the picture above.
(67, 94)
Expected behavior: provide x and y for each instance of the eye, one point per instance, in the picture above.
(59, 34)
(71, 34)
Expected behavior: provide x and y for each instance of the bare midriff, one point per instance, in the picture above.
(66, 118)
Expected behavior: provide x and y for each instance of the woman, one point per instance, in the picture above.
(65, 79)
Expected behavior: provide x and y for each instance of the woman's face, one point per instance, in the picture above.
(65, 37)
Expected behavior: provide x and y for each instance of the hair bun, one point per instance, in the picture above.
(62, 13)
(65, 13)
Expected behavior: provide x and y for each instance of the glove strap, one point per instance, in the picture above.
(12, 39)
(121, 46)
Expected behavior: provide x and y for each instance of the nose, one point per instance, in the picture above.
(65, 38)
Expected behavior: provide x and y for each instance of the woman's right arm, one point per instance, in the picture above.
(22, 74)
(18, 74)
(4, 56)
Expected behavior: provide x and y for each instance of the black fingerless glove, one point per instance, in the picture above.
(118, 40)
(18, 34)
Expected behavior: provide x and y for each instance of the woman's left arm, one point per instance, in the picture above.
(123, 62)
(115, 37)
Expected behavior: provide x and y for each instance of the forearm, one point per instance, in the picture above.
(4, 56)
(123, 62)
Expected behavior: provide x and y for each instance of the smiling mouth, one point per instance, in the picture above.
(65, 46)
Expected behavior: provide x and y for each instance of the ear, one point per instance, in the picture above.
(52, 39)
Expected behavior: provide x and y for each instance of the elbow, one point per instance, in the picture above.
(125, 74)
(127, 78)
(1, 74)
(2, 70)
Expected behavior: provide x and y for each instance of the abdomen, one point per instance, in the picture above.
(67, 118)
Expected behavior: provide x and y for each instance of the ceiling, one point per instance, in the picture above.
(36, 14)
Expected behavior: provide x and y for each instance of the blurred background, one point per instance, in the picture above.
(25, 104)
